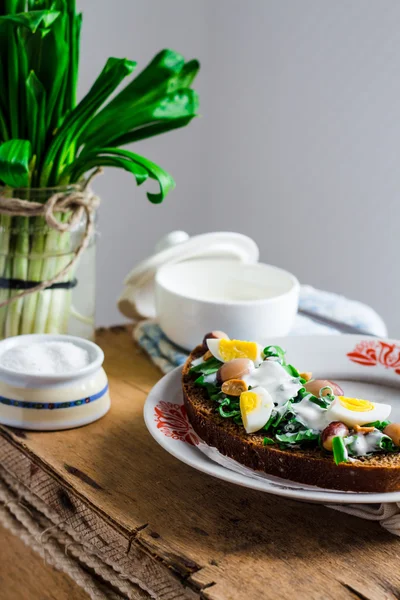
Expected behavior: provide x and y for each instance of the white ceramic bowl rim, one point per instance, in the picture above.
(163, 282)
(96, 357)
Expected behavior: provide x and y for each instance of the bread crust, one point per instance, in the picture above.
(377, 473)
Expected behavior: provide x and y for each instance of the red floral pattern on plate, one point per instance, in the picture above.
(172, 420)
(375, 352)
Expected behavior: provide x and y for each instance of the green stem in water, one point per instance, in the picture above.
(34, 274)
(5, 265)
(19, 271)
(49, 266)
(57, 317)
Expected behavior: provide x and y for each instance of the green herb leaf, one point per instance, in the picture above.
(13, 81)
(307, 435)
(281, 413)
(291, 370)
(386, 443)
(275, 351)
(141, 167)
(268, 424)
(146, 131)
(211, 388)
(339, 450)
(378, 424)
(207, 368)
(12, 6)
(49, 59)
(165, 74)
(323, 402)
(31, 20)
(57, 157)
(79, 167)
(218, 396)
(267, 441)
(234, 412)
(171, 111)
(301, 394)
(164, 180)
(36, 106)
(15, 156)
(330, 393)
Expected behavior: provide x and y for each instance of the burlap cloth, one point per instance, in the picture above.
(42, 529)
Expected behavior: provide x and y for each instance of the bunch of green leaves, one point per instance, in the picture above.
(46, 138)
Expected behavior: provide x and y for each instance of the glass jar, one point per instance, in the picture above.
(31, 252)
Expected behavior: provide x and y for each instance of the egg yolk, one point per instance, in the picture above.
(356, 404)
(248, 402)
(230, 349)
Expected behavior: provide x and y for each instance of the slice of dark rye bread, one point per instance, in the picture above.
(377, 473)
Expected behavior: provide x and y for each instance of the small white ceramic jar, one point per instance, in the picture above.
(246, 301)
(53, 401)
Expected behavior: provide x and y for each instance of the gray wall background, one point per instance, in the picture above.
(298, 144)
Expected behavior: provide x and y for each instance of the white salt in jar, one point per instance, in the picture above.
(51, 382)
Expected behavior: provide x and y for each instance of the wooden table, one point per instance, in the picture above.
(180, 533)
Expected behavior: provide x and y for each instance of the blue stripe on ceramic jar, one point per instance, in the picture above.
(51, 382)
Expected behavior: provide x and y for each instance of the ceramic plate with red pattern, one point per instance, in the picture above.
(364, 367)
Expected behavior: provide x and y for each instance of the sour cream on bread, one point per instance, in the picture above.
(364, 444)
(276, 380)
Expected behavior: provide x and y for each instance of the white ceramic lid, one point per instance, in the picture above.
(137, 298)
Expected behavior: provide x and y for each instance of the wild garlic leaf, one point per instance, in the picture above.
(298, 436)
(32, 20)
(208, 367)
(15, 156)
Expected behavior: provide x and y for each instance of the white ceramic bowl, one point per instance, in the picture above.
(246, 301)
(53, 402)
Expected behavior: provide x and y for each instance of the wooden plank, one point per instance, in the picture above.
(92, 527)
(24, 575)
(221, 541)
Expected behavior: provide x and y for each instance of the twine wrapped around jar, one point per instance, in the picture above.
(76, 203)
